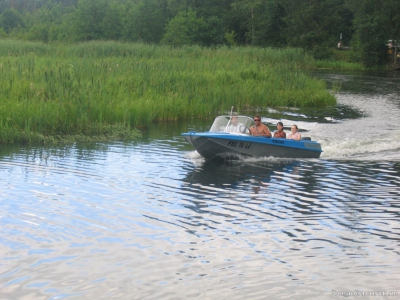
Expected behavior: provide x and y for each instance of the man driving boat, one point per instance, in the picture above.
(235, 126)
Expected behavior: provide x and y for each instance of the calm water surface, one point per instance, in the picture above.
(153, 220)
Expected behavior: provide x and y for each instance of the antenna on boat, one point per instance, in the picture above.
(231, 111)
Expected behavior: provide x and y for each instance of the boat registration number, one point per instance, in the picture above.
(237, 144)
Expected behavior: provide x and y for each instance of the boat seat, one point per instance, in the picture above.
(306, 138)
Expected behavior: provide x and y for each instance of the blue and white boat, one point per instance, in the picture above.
(221, 142)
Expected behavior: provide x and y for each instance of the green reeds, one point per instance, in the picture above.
(339, 65)
(21, 48)
(106, 88)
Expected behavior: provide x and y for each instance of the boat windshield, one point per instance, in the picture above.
(224, 123)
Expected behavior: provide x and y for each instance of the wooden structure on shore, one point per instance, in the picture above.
(394, 46)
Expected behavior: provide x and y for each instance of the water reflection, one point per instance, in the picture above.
(89, 220)
(362, 82)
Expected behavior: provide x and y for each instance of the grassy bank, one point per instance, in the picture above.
(341, 60)
(52, 92)
(339, 65)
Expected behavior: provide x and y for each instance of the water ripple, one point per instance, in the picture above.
(143, 221)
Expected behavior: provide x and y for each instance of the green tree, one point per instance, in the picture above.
(185, 29)
(315, 25)
(375, 22)
(145, 21)
(211, 32)
(112, 22)
(247, 12)
(62, 29)
(177, 32)
(217, 18)
(3, 34)
(39, 32)
(89, 18)
(10, 19)
(260, 22)
(174, 7)
(268, 23)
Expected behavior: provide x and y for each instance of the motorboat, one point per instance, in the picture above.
(228, 140)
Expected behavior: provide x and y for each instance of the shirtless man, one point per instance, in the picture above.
(259, 128)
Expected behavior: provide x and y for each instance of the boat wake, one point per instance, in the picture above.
(371, 137)
(370, 148)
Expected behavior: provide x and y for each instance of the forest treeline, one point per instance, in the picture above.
(312, 25)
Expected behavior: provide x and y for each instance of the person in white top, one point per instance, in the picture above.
(294, 133)
(236, 127)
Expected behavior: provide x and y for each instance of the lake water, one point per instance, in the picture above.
(152, 220)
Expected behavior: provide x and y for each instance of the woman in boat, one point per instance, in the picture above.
(279, 133)
(294, 133)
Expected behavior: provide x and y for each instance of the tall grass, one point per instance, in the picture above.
(339, 65)
(21, 48)
(106, 88)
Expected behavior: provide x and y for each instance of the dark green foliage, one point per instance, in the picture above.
(145, 21)
(274, 25)
(187, 29)
(112, 22)
(321, 52)
(89, 19)
(375, 23)
(374, 53)
(10, 19)
(316, 23)
(312, 25)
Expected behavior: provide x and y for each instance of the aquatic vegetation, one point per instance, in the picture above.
(52, 92)
(339, 65)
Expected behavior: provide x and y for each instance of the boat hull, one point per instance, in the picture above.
(225, 145)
